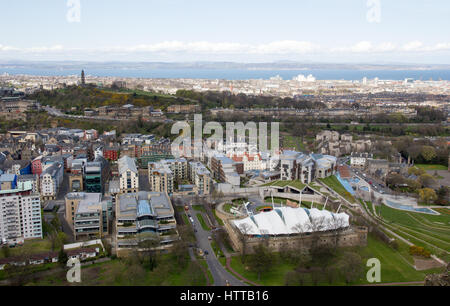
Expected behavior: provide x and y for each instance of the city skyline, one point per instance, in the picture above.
(177, 31)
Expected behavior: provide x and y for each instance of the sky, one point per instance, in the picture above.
(338, 31)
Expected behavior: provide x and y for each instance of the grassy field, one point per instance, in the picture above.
(227, 207)
(293, 142)
(431, 167)
(395, 267)
(202, 222)
(429, 231)
(296, 184)
(305, 204)
(30, 247)
(217, 218)
(334, 184)
(199, 208)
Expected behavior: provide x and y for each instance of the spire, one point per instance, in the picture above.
(83, 79)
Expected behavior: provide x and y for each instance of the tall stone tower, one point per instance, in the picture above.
(83, 79)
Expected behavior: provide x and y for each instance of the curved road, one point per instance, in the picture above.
(219, 273)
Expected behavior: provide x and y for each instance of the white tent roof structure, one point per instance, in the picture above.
(288, 220)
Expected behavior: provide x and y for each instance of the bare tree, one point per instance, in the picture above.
(336, 227)
(315, 227)
(244, 230)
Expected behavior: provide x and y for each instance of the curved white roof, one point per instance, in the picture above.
(288, 220)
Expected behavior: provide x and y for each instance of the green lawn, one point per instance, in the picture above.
(185, 219)
(432, 167)
(217, 218)
(275, 277)
(293, 142)
(395, 267)
(30, 247)
(295, 184)
(334, 184)
(428, 231)
(305, 204)
(227, 207)
(199, 208)
(202, 222)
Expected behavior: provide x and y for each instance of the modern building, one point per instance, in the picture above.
(93, 177)
(306, 167)
(201, 177)
(287, 227)
(144, 216)
(88, 214)
(224, 170)
(128, 175)
(161, 178)
(20, 214)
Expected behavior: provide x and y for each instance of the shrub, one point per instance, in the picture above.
(419, 251)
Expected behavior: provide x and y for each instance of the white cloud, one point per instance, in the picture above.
(285, 47)
(413, 46)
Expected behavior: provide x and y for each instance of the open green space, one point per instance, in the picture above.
(293, 142)
(395, 267)
(431, 167)
(334, 184)
(199, 208)
(217, 218)
(295, 184)
(281, 201)
(428, 231)
(30, 247)
(202, 222)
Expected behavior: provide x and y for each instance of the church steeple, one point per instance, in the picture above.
(83, 79)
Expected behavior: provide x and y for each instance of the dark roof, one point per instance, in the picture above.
(80, 251)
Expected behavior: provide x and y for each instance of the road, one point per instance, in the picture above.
(219, 273)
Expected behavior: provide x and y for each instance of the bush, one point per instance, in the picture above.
(419, 251)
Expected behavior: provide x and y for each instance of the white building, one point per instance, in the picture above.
(51, 180)
(359, 160)
(20, 214)
(250, 161)
(201, 177)
(129, 176)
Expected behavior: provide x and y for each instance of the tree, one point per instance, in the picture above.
(427, 195)
(416, 171)
(426, 180)
(261, 261)
(244, 230)
(428, 153)
(62, 257)
(336, 226)
(351, 266)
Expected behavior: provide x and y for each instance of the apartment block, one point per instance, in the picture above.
(20, 214)
(128, 175)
